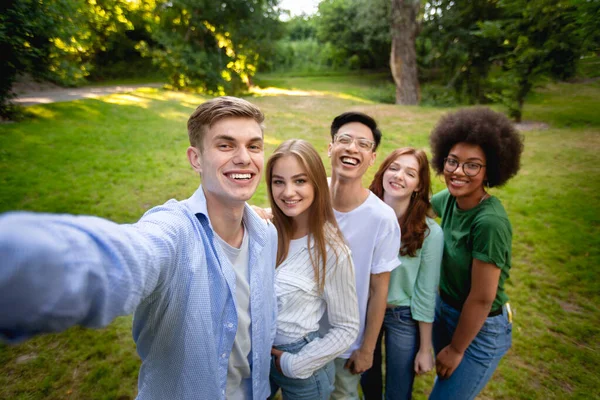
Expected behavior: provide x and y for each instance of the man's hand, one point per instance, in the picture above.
(277, 354)
(359, 361)
(447, 361)
(423, 362)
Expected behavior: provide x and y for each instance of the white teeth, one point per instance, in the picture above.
(291, 201)
(396, 185)
(240, 176)
(458, 182)
(349, 160)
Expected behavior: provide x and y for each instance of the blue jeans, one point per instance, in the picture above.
(481, 358)
(401, 334)
(317, 387)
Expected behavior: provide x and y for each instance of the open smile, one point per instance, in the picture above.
(351, 161)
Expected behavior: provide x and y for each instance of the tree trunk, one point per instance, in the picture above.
(403, 58)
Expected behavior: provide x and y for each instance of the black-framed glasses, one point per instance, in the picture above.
(361, 143)
(469, 168)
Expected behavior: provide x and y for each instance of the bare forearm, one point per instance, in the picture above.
(375, 313)
(425, 329)
(471, 320)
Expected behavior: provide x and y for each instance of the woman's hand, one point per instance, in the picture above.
(277, 354)
(264, 213)
(447, 361)
(423, 361)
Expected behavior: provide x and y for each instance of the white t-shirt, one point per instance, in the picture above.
(373, 235)
(239, 373)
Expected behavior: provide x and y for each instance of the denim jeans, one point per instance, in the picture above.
(481, 358)
(346, 383)
(317, 387)
(401, 333)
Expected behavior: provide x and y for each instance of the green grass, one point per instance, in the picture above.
(119, 155)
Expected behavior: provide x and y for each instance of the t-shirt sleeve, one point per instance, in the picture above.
(492, 239)
(437, 202)
(385, 255)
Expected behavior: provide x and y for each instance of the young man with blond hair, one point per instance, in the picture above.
(197, 273)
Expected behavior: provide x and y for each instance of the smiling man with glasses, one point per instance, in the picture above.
(375, 246)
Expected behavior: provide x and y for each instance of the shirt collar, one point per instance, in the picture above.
(255, 225)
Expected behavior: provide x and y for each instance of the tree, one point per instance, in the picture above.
(540, 38)
(212, 46)
(403, 57)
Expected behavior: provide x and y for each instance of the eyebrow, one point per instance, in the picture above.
(468, 159)
(232, 139)
(293, 177)
(399, 165)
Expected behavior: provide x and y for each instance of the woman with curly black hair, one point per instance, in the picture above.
(475, 149)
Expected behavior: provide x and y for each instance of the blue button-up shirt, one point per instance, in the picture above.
(62, 270)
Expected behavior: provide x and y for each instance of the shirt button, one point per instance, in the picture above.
(224, 355)
(230, 325)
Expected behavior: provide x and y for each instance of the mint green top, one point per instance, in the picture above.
(483, 232)
(414, 283)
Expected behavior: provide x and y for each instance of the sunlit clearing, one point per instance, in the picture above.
(127, 100)
(41, 112)
(272, 141)
(273, 91)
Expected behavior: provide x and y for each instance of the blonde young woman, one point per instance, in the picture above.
(314, 275)
(403, 183)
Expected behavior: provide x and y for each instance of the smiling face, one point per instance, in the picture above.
(292, 190)
(463, 187)
(231, 162)
(350, 161)
(401, 178)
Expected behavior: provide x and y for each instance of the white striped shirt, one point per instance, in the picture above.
(300, 308)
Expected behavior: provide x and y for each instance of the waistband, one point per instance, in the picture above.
(458, 306)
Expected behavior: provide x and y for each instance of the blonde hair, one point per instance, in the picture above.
(323, 227)
(212, 111)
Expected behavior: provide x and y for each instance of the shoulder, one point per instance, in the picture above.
(173, 215)
(492, 213)
(439, 201)
(434, 228)
(379, 210)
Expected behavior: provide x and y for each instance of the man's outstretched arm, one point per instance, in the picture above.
(57, 271)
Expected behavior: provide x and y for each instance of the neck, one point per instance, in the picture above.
(346, 195)
(226, 219)
(472, 201)
(400, 205)
(300, 226)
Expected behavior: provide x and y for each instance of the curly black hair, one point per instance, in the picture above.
(492, 131)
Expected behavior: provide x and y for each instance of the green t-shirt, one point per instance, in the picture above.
(483, 232)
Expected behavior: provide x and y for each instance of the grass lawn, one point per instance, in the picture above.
(119, 155)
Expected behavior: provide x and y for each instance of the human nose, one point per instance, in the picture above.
(242, 156)
(352, 145)
(288, 190)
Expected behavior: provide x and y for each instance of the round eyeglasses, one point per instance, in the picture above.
(469, 168)
(361, 143)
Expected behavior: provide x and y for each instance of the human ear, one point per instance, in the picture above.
(194, 156)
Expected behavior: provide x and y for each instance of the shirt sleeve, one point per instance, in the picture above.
(342, 312)
(63, 270)
(385, 255)
(492, 240)
(423, 300)
(437, 202)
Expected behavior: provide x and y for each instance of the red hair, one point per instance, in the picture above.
(412, 224)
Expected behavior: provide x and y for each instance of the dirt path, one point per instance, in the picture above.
(28, 98)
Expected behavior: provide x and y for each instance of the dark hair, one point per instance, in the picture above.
(490, 130)
(355, 116)
(412, 224)
(214, 110)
